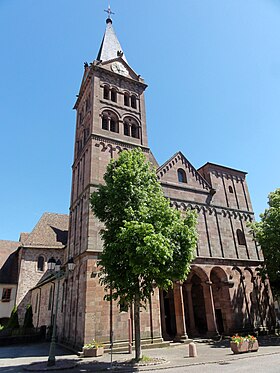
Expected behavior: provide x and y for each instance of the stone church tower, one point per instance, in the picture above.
(110, 118)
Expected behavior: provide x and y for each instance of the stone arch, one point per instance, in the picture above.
(220, 272)
(118, 149)
(221, 299)
(41, 263)
(199, 272)
(105, 108)
(182, 206)
(194, 301)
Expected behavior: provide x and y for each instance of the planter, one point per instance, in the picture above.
(253, 346)
(93, 352)
(239, 348)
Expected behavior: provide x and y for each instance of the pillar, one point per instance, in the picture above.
(209, 308)
(181, 335)
(163, 316)
(190, 308)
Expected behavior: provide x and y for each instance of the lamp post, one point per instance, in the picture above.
(55, 267)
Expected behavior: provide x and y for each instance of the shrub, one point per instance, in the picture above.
(13, 321)
(28, 318)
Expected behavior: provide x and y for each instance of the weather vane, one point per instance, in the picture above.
(109, 11)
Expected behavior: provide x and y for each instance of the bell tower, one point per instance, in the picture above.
(110, 118)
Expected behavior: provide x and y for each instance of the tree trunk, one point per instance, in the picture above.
(138, 352)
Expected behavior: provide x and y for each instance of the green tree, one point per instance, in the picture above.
(267, 235)
(146, 242)
(28, 317)
(13, 320)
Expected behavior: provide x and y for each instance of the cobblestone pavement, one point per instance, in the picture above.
(212, 356)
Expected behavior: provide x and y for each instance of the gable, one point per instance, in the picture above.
(120, 66)
(180, 172)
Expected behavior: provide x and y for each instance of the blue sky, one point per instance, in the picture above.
(213, 70)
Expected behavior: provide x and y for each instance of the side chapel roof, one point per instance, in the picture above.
(50, 231)
(8, 262)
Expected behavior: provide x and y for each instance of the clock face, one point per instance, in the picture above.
(119, 68)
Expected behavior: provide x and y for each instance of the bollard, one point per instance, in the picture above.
(192, 350)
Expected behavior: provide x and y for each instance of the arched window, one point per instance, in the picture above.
(240, 237)
(126, 128)
(135, 130)
(114, 95)
(133, 102)
(126, 99)
(182, 177)
(40, 263)
(230, 189)
(106, 92)
(110, 121)
(131, 127)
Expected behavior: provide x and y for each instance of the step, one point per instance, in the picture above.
(145, 344)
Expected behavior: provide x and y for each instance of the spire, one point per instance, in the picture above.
(110, 46)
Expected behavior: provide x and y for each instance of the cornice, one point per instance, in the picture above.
(169, 184)
(232, 262)
(200, 206)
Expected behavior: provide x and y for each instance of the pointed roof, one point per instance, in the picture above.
(110, 45)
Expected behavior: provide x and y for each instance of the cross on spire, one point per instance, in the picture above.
(109, 11)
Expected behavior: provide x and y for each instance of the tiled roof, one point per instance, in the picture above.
(8, 262)
(50, 231)
(23, 237)
(6, 248)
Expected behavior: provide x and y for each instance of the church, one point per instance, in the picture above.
(222, 294)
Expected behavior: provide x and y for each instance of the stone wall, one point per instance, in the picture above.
(29, 275)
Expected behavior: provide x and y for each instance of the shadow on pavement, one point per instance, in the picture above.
(30, 350)
(84, 366)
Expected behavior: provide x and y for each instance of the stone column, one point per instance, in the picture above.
(163, 316)
(190, 308)
(209, 308)
(181, 335)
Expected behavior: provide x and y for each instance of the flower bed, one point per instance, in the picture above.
(240, 344)
(93, 349)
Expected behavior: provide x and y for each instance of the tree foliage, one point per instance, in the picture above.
(146, 242)
(267, 235)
